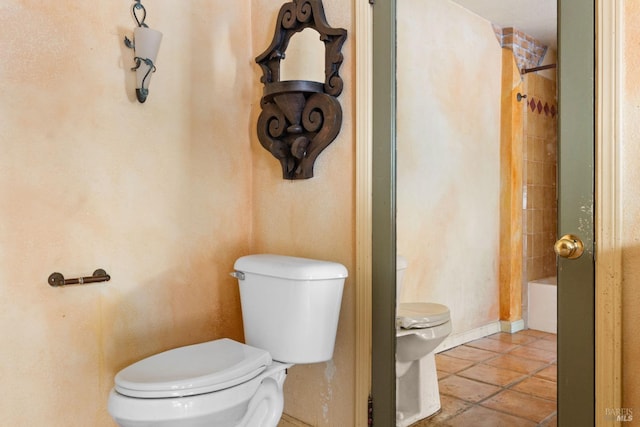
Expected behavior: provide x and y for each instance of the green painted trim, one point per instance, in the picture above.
(383, 376)
(576, 325)
(576, 183)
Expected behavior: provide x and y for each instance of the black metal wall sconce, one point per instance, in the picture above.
(300, 118)
(145, 44)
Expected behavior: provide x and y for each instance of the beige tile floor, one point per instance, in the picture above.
(502, 380)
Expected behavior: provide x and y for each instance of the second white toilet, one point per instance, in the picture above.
(420, 328)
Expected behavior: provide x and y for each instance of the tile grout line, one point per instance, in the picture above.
(508, 386)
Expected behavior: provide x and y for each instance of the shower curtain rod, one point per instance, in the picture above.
(542, 67)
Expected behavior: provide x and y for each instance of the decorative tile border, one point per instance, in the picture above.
(536, 105)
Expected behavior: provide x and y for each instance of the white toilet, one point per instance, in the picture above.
(420, 328)
(290, 310)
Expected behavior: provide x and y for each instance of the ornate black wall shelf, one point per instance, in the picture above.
(300, 118)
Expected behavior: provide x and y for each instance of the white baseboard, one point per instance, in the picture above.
(460, 338)
(512, 327)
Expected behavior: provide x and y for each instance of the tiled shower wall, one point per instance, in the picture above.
(540, 157)
(527, 51)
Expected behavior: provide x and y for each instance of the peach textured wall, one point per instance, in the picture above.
(511, 171)
(630, 178)
(158, 194)
(312, 218)
(449, 89)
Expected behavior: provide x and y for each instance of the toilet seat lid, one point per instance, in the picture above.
(421, 315)
(194, 369)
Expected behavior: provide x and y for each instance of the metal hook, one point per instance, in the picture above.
(136, 7)
(520, 97)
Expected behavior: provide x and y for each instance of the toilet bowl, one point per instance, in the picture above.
(230, 384)
(420, 328)
(220, 382)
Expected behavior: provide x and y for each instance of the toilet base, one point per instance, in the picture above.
(417, 392)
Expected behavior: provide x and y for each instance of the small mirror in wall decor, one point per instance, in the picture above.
(300, 118)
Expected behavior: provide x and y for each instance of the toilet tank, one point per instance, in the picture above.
(290, 306)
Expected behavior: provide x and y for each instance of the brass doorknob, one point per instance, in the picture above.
(569, 246)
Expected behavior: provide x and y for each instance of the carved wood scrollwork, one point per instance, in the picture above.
(300, 118)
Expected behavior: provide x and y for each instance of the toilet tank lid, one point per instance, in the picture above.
(193, 369)
(293, 268)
